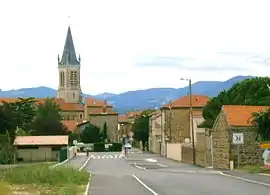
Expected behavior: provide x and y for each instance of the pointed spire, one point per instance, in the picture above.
(69, 54)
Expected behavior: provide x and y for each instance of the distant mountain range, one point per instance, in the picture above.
(139, 99)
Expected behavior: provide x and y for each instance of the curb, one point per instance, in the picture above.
(88, 184)
(58, 164)
(265, 174)
(90, 174)
(244, 179)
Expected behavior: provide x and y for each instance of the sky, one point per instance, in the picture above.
(128, 45)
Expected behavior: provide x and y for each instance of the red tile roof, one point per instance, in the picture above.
(183, 102)
(70, 124)
(91, 102)
(238, 115)
(62, 104)
(41, 140)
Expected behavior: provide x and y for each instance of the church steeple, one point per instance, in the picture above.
(69, 55)
(69, 73)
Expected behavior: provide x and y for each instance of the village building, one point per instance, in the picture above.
(155, 132)
(235, 119)
(40, 148)
(125, 122)
(176, 126)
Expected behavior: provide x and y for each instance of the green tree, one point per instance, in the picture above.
(91, 134)
(25, 110)
(72, 136)
(140, 127)
(104, 132)
(6, 149)
(252, 91)
(261, 121)
(48, 120)
(21, 132)
(7, 120)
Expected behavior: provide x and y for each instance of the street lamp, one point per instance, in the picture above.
(191, 118)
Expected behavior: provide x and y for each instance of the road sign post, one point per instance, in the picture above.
(238, 138)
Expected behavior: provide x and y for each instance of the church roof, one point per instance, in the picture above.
(69, 54)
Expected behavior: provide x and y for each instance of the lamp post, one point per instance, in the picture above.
(191, 119)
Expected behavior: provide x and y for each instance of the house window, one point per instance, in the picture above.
(81, 116)
(67, 117)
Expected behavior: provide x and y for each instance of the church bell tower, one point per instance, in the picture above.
(69, 88)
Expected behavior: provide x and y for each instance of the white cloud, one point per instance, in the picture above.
(112, 35)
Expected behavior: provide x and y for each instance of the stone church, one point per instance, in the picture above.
(76, 109)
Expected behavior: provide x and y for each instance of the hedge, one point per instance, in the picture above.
(114, 147)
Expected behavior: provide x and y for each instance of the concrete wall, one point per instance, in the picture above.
(72, 151)
(174, 151)
(155, 144)
(42, 153)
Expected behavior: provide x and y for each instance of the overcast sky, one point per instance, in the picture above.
(133, 44)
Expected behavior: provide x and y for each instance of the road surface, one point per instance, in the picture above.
(148, 174)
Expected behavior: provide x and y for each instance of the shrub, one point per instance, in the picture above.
(99, 147)
(116, 147)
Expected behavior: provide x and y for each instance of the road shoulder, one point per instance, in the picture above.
(248, 177)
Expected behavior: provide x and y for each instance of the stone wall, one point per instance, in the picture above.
(221, 145)
(203, 150)
(249, 155)
(177, 125)
(72, 115)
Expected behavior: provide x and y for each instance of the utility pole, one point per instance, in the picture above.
(170, 107)
(191, 122)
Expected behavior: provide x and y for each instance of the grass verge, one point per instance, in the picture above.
(255, 169)
(40, 179)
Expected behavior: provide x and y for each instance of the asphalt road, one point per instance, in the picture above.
(148, 174)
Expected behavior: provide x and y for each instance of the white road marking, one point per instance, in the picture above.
(84, 164)
(63, 162)
(244, 179)
(144, 185)
(88, 185)
(161, 165)
(139, 167)
(150, 160)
